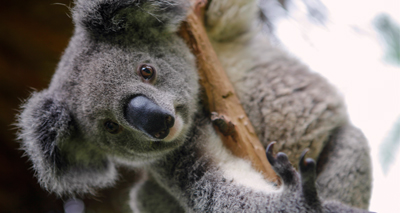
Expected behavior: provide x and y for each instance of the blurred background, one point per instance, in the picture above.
(353, 43)
(32, 36)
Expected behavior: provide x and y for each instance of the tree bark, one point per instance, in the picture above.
(227, 114)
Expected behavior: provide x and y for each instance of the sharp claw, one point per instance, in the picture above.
(308, 178)
(269, 152)
(303, 163)
(270, 147)
(306, 164)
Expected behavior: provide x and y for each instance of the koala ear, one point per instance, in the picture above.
(63, 163)
(143, 18)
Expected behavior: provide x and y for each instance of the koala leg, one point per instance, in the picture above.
(344, 168)
(203, 181)
(229, 19)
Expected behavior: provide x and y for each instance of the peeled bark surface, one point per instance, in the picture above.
(227, 114)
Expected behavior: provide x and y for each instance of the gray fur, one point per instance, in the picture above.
(62, 128)
(191, 177)
(289, 104)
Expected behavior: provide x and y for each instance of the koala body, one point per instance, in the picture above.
(126, 93)
(289, 104)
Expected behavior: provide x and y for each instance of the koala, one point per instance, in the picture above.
(126, 93)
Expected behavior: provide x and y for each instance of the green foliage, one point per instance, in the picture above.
(389, 30)
(389, 147)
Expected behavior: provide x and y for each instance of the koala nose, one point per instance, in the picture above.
(147, 116)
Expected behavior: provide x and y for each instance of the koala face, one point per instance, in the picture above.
(125, 89)
(135, 101)
(127, 80)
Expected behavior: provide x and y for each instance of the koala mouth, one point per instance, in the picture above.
(175, 130)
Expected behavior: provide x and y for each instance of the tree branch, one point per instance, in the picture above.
(227, 113)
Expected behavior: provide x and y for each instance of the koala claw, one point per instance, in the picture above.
(306, 164)
(282, 166)
(308, 178)
(269, 152)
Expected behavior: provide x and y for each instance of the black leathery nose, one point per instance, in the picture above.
(147, 116)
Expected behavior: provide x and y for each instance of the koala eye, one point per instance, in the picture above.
(147, 72)
(112, 127)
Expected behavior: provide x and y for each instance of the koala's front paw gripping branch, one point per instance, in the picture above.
(228, 114)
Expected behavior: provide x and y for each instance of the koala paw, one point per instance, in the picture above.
(282, 166)
(292, 181)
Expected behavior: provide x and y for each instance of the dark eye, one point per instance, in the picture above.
(112, 127)
(147, 72)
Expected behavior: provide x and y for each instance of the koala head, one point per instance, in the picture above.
(126, 88)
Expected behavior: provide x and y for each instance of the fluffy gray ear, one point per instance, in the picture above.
(63, 162)
(140, 19)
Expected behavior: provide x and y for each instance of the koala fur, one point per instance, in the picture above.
(68, 130)
(289, 104)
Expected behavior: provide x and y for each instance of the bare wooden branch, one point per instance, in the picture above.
(228, 115)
